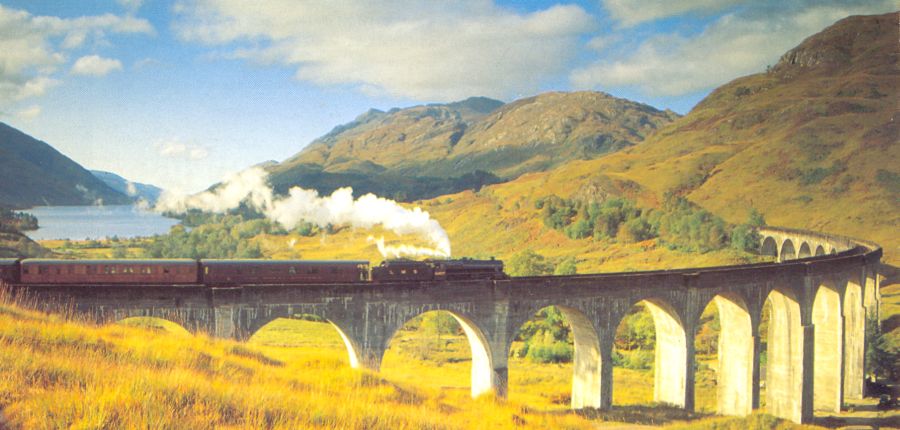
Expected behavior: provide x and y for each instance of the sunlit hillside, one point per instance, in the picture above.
(812, 143)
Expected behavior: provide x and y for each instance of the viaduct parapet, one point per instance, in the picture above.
(822, 289)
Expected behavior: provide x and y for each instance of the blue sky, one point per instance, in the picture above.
(181, 93)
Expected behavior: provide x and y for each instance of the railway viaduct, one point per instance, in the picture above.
(821, 288)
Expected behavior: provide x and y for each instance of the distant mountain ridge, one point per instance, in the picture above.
(135, 190)
(32, 173)
(480, 137)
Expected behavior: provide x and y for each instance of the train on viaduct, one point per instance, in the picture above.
(821, 288)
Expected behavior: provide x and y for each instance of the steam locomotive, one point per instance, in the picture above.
(232, 272)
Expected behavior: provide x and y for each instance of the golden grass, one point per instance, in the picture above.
(63, 374)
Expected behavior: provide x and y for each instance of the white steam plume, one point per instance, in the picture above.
(340, 208)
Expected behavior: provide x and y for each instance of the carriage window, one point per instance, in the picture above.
(59, 271)
(25, 270)
(42, 270)
(416, 271)
(71, 270)
(91, 270)
(206, 270)
(402, 271)
(292, 270)
(334, 270)
(165, 270)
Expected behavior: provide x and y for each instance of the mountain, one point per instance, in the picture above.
(135, 190)
(436, 145)
(812, 143)
(32, 173)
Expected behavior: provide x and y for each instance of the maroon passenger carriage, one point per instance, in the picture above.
(283, 271)
(9, 270)
(51, 271)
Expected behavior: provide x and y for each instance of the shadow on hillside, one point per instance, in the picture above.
(642, 414)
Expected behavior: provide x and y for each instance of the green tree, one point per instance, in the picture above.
(436, 324)
(119, 250)
(882, 352)
(755, 219)
(529, 263)
(566, 267)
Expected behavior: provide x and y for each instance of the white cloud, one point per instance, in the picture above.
(33, 48)
(131, 5)
(30, 112)
(418, 49)
(736, 44)
(631, 12)
(174, 148)
(95, 65)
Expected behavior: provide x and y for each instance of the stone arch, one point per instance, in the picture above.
(828, 346)
(820, 250)
(354, 357)
(587, 389)
(769, 247)
(784, 369)
(735, 351)
(670, 366)
(804, 251)
(788, 252)
(854, 340)
(154, 323)
(483, 377)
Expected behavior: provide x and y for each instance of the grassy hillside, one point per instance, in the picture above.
(32, 173)
(812, 143)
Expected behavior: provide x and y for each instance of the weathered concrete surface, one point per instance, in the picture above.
(817, 303)
(736, 351)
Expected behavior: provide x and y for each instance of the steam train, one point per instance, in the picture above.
(233, 272)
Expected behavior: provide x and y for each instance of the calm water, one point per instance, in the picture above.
(97, 222)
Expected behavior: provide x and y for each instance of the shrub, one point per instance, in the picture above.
(566, 267)
(640, 359)
(556, 352)
(529, 263)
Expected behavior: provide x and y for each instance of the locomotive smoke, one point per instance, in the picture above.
(340, 208)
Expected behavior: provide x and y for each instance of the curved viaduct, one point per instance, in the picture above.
(822, 288)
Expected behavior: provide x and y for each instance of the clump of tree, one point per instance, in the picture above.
(679, 224)
(528, 263)
(12, 221)
(882, 352)
(546, 338)
(635, 340)
(229, 237)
